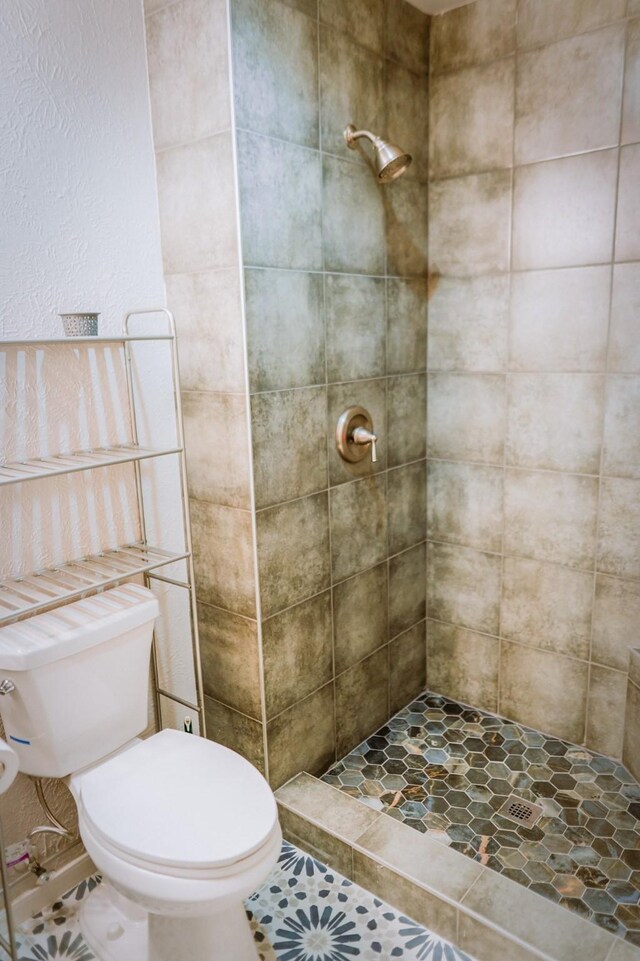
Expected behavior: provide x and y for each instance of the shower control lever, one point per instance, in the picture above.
(363, 436)
(355, 435)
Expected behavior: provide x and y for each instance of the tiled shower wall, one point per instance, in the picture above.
(534, 361)
(335, 299)
(311, 575)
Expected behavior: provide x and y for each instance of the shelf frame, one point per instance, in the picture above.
(37, 468)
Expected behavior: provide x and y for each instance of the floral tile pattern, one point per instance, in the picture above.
(448, 769)
(304, 912)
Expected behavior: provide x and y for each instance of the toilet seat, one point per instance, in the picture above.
(179, 804)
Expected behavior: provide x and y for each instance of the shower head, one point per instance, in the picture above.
(389, 161)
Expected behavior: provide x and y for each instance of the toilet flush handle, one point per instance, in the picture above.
(7, 686)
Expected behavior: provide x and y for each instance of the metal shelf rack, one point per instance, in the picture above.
(41, 590)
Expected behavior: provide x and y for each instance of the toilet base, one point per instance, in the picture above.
(216, 937)
(116, 929)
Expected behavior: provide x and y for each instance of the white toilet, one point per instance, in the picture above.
(182, 829)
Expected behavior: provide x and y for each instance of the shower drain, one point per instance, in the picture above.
(520, 811)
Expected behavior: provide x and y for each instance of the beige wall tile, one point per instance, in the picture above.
(473, 33)
(583, 111)
(289, 445)
(209, 324)
(627, 234)
(362, 700)
(188, 71)
(564, 211)
(407, 589)
(551, 517)
(406, 325)
(230, 659)
(469, 223)
(420, 857)
(544, 690)
(464, 505)
(280, 190)
(633, 8)
(559, 319)
(284, 306)
(358, 526)
(352, 87)
(320, 844)
(355, 321)
(406, 506)
(548, 927)
(360, 616)
(293, 552)
(466, 417)
(471, 119)
(407, 121)
(619, 527)
(217, 448)
(276, 94)
(235, 731)
(364, 20)
(634, 666)
(198, 223)
(554, 421)
(468, 322)
(543, 21)
(474, 935)
(407, 234)
(624, 346)
(223, 556)
(353, 220)
(297, 648)
(406, 418)
(616, 621)
(623, 950)
(302, 738)
(463, 665)
(622, 427)
(326, 806)
(407, 666)
(463, 587)
(631, 99)
(547, 606)
(607, 704)
(412, 899)
(631, 743)
(407, 36)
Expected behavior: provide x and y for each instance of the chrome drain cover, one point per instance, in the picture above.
(519, 811)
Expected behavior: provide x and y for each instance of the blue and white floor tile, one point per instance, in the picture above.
(304, 912)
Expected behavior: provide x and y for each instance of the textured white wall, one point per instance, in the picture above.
(80, 230)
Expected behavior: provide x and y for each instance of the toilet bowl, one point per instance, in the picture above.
(183, 830)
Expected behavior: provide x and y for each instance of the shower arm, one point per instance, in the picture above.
(351, 135)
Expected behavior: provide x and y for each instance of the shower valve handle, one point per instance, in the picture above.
(355, 435)
(363, 436)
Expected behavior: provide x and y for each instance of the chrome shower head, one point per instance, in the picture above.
(389, 161)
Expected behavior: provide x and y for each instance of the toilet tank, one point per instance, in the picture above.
(81, 676)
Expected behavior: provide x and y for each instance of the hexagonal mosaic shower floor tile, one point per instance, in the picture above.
(448, 769)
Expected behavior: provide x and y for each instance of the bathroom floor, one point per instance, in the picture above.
(448, 769)
(304, 912)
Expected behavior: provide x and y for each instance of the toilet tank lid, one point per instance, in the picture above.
(75, 627)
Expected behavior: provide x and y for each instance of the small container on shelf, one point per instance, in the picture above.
(82, 324)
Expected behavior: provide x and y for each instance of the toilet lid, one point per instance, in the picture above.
(178, 799)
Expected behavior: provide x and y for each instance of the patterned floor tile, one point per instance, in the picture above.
(304, 912)
(448, 769)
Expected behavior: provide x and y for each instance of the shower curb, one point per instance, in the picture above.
(487, 915)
